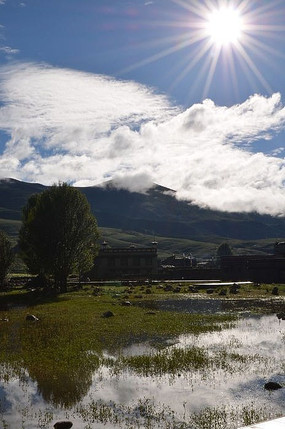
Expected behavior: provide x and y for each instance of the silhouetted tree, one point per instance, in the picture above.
(6, 257)
(58, 234)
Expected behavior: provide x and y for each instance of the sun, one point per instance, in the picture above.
(224, 26)
(219, 36)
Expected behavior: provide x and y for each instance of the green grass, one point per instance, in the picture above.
(167, 246)
(11, 227)
(146, 414)
(68, 341)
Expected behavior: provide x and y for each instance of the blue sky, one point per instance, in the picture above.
(147, 91)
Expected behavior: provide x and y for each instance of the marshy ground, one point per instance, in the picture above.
(164, 358)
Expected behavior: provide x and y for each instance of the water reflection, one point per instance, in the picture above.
(215, 305)
(261, 339)
(66, 389)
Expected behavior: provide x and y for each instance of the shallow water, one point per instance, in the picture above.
(139, 400)
(204, 305)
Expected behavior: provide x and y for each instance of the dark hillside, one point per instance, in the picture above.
(14, 195)
(157, 213)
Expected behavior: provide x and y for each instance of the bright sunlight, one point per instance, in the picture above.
(226, 32)
(224, 26)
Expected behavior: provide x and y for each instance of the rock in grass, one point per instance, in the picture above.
(275, 291)
(108, 314)
(281, 315)
(272, 385)
(126, 303)
(31, 318)
(63, 425)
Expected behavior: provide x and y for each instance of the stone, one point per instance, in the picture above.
(234, 288)
(63, 425)
(108, 314)
(31, 318)
(281, 315)
(275, 291)
(126, 303)
(272, 385)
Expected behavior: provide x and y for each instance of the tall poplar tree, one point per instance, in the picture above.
(58, 234)
(6, 257)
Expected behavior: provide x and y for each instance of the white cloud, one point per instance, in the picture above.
(8, 50)
(139, 181)
(85, 128)
(278, 151)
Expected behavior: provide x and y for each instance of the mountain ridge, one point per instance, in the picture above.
(155, 212)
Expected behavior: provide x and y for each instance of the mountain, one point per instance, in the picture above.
(156, 213)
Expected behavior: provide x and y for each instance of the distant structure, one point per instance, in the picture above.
(175, 261)
(279, 248)
(125, 262)
(186, 267)
(257, 268)
(137, 263)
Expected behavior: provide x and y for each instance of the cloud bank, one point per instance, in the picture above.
(60, 124)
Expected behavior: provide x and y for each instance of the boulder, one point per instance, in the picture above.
(96, 291)
(275, 291)
(31, 318)
(108, 314)
(272, 385)
(126, 303)
(234, 288)
(63, 425)
(281, 315)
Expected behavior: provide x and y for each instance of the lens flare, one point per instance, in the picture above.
(224, 26)
(231, 35)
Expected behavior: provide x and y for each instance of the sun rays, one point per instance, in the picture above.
(218, 33)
